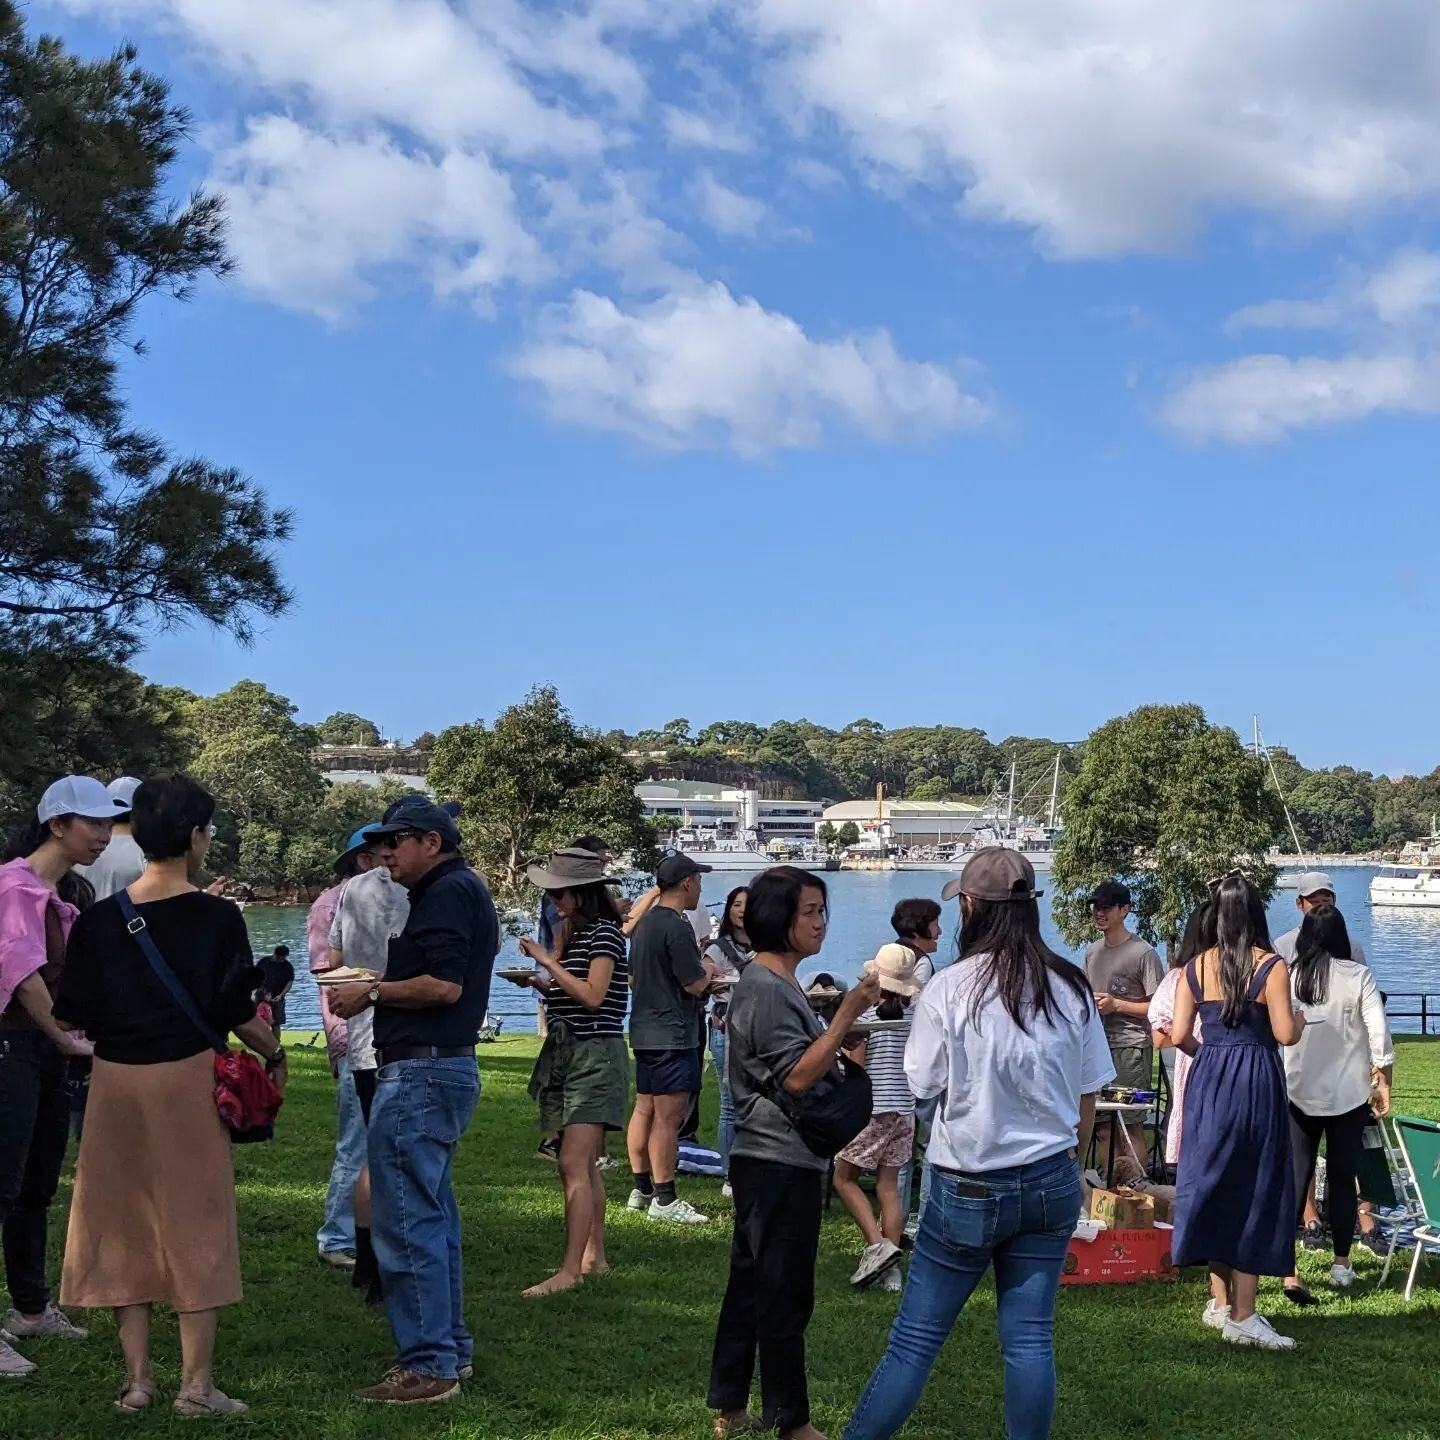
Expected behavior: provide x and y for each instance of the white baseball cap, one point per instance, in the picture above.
(80, 795)
(124, 789)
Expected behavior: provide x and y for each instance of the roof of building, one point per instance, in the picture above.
(679, 790)
(865, 809)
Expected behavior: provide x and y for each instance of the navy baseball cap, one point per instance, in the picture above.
(452, 808)
(423, 817)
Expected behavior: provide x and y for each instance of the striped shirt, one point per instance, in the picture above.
(602, 940)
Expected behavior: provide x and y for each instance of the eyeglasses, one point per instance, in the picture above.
(393, 840)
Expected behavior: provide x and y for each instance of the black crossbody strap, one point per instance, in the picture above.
(166, 976)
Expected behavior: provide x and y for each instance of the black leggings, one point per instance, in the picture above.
(1342, 1161)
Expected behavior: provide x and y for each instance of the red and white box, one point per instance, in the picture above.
(1120, 1257)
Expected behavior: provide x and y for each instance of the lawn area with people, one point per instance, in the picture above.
(628, 1355)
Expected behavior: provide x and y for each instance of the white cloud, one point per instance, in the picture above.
(313, 216)
(689, 128)
(1284, 315)
(729, 211)
(1116, 125)
(1266, 397)
(700, 368)
(1406, 289)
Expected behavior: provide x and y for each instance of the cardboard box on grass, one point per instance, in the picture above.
(1122, 1209)
(1120, 1257)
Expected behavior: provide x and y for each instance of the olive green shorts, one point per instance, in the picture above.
(581, 1082)
(1133, 1066)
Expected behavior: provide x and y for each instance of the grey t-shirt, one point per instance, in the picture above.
(121, 865)
(372, 911)
(664, 958)
(1285, 948)
(1129, 971)
(770, 1026)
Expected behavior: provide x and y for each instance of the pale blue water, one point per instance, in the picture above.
(1403, 946)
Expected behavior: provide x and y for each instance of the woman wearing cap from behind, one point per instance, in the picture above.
(1010, 1040)
(886, 1145)
(40, 898)
(582, 1077)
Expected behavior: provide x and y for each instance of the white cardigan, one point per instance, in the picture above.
(1328, 1072)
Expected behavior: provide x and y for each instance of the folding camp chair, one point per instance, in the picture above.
(1420, 1146)
(490, 1030)
(1383, 1184)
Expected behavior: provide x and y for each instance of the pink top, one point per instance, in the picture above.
(317, 942)
(1162, 1018)
(23, 898)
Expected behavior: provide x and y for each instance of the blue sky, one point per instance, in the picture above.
(979, 363)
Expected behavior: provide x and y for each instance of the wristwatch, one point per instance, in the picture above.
(375, 993)
(275, 1059)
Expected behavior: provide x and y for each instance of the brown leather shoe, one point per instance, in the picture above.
(409, 1387)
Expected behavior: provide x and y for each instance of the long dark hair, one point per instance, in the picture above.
(1323, 938)
(1199, 936)
(28, 838)
(593, 903)
(727, 930)
(1017, 965)
(1240, 929)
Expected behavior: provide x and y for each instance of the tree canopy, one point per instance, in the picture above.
(530, 783)
(343, 728)
(1165, 802)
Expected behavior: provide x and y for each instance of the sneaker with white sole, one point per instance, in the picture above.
(678, 1212)
(891, 1280)
(52, 1322)
(13, 1365)
(1216, 1316)
(1342, 1277)
(726, 1193)
(875, 1260)
(638, 1200)
(1257, 1331)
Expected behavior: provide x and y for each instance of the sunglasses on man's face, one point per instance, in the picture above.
(393, 841)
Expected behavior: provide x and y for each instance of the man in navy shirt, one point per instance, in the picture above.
(428, 1013)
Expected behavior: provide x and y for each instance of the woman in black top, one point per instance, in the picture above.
(153, 1218)
(582, 1078)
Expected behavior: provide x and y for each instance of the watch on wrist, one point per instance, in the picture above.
(375, 993)
(275, 1059)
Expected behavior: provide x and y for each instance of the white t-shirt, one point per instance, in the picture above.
(1006, 1098)
(121, 864)
(372, 911)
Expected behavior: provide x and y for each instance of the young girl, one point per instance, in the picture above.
(1235, 1198)
(730, 953)
(887, 1143)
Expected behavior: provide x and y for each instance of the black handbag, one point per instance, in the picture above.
(832, 1112)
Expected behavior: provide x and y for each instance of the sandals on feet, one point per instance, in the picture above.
(144, 1388)
(208, 1407)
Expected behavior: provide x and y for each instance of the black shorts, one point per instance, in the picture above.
(365, 1090)
(667, 1072)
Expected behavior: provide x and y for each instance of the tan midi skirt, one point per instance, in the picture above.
(153, 1218)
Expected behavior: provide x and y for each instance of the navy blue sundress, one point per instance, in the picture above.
(1235, 1191)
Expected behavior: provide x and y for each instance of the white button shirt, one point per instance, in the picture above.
(1007, 1098)
(1328, 1072)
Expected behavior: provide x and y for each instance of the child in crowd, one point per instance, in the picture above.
(886, 1144)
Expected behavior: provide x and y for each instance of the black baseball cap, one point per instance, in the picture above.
(1112, 892)
(675, 868)
(424, 817)
(452, 808)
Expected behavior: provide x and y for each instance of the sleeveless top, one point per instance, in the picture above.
(1254, 1025)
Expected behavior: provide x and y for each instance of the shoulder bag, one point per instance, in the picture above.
(246, 1098)
(832, 1112)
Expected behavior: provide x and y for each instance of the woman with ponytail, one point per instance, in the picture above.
(1235, 1192)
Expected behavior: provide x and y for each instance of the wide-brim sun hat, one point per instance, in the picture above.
(358, 841)
(894, 967)
(568, 870)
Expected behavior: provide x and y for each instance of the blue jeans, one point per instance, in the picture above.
(1020, 1220)
(338, 1231)
(725, 1125)
(420, 1112)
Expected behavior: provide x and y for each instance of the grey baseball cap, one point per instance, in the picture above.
(994, 873)
(1312, 881)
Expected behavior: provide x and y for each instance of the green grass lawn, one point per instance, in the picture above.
(628, 1356)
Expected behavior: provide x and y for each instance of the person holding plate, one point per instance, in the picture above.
(581, 1081)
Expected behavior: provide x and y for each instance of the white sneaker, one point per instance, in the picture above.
(726, 1192)
(891, 1280)
(1217, 1317)
(1258, 1331)
(875, 1259)
(13, 1365)
(52, 1322)
(1342, 1276)
(679, 1212)
(638, 1200)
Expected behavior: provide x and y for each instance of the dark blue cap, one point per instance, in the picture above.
(424, 816)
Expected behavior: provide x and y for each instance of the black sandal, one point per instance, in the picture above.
(1299, 1295)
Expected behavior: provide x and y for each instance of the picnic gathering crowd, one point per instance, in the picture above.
(121, 981)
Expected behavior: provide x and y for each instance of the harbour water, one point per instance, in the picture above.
(1403, 946)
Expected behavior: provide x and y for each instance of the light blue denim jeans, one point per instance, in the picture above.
(338, 1231)
(1020, 1220)
(725, 1125)
(420, 1112)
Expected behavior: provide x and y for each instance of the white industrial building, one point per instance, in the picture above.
(908, 822)
(730, 814)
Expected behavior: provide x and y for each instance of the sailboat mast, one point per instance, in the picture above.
(1010, 803)
(1054, 791)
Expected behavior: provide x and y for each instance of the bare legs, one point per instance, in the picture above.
(197, 1352)
(133, 1323)
(584, 1211)
(653, 1137)
(847, 1187)
(1236, 1289)
(362, 1198)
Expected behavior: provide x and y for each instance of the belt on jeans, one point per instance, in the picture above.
(391, 1053)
